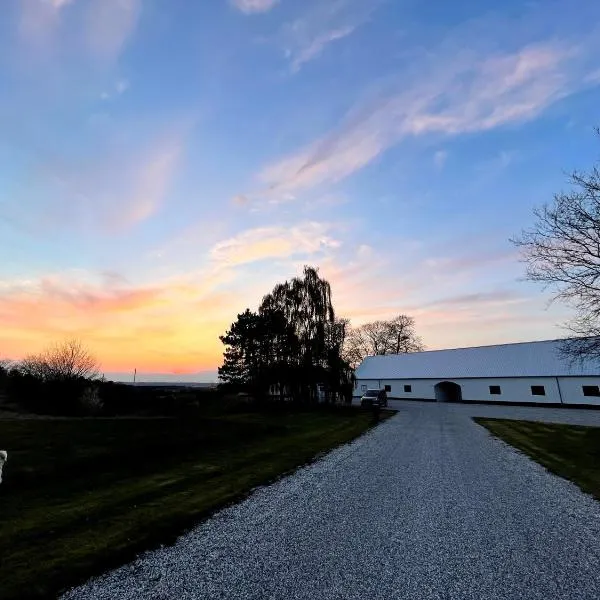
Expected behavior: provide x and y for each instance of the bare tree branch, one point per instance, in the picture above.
(65, 361)
(396, 336)
(562, 251)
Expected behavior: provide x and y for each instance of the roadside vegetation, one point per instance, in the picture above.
(106, 470)
(83, 495)
(570, 451)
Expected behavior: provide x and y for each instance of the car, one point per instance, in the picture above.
(372, 398)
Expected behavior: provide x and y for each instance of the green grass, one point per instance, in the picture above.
(80, 496)
(570, 451)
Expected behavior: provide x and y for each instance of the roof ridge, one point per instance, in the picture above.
(471, 347)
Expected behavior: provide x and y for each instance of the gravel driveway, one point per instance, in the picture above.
(428, 505)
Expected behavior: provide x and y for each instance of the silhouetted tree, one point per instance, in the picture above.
(58, 380)
(562, 251)
(395, 336)
(65, 361)
(293, 341)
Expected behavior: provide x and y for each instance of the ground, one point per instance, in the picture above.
(428, 505)
(83, 495)
(572, 451)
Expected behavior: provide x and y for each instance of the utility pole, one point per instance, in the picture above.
(134, 374)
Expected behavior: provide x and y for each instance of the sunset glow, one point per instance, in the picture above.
(164, 165)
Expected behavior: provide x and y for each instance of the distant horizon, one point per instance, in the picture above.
(198, 377)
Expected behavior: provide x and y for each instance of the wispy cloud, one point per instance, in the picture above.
(439, 158)
(448, 96)
(254, 6)
(118, 89)
(113, 188)
(104, 25)
(151, 180)
(168, 324)
(40, 18)
(304, 239)
(109, 24)
(305, 38)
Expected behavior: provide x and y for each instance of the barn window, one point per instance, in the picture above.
(408, 388)
(495, 389)
(388, 388)
(538, 390)
(591, 390)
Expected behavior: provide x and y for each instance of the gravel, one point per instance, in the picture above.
(426, 506)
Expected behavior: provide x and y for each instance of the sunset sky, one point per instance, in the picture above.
(163, 163)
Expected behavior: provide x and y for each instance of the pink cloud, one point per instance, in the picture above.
(451, 95)
(274, 242)
(254, 6)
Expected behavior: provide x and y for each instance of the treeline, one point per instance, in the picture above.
(294, 347)
(65, 380)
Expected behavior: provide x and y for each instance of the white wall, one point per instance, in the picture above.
(512, 389)
(572, 392)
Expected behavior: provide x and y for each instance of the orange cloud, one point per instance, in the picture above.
(274, 242)
(168, 326)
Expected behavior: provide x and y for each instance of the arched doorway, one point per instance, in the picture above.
(446, 391)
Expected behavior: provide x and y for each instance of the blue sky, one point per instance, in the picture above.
(164, 164)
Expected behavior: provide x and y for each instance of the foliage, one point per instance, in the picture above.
(395, 336)
(61, 380)
(562, 251)
(65, 361)
(294, 342)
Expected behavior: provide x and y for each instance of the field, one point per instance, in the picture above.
(83, 495)
(570, 451)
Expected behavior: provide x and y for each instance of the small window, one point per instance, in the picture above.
(538, 390)
(495, 389)
(388, 388)
(408, 388)
(591, 390)
(363, 387)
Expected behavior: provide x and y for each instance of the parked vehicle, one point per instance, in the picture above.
(374, 398)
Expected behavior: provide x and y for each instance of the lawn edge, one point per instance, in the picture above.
(134, 553)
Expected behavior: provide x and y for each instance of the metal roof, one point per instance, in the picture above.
(524, 359)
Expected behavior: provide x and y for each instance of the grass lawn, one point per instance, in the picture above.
(82, 495)
(571, 451)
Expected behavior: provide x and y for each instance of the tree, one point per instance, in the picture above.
(294, 341)
(562, 251)
(395, 336)
(306, 305)
(64, 361)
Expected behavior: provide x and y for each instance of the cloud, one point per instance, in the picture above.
(305, 38)
(108, 25)
(39, 19)
(240, 200)
(254, 6)
(113, 187)
(449, 96)
(475, 299)
(151, 181)
(168, 324)
(254, 245)
(104, 26)
(118, 89)
(313, 48)
(439, 159)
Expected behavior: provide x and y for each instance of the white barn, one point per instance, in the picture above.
(522, 372)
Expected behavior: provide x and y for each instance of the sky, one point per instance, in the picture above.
(164, 163)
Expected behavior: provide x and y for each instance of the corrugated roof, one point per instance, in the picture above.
(524, 359)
